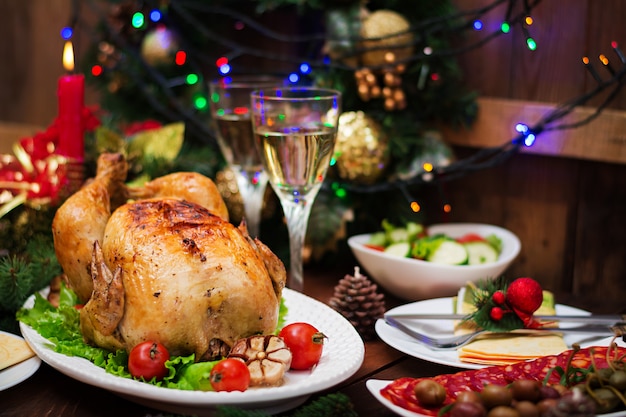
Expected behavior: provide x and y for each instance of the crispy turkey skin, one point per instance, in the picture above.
(190, 279)
(167, 267)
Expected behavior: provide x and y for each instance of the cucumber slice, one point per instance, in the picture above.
(481, 253)
(401, 249)
(398, 235)
(449, 252)
(413, 230)
(378, 239)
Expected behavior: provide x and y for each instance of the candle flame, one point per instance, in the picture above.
(68, 56)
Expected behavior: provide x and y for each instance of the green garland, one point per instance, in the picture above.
(23, 272)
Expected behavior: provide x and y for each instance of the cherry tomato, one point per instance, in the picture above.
(230, 375)
(305, 343)
(470, 237)
(375, 247)
(147, 360)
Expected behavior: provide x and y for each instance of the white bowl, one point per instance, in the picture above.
(414, 279)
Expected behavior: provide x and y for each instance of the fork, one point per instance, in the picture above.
(454, 342)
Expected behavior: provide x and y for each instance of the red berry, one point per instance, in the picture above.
(496, 313)
(498, 297)
(525, 295)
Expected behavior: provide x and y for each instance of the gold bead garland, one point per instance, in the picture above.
(377, 31)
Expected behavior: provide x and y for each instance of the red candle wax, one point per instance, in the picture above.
(71, 93)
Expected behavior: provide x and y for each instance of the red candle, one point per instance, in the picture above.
(71, 93)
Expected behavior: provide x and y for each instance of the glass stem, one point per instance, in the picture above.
(297, 215)
(252, 190)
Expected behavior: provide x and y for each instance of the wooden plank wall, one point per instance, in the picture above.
(568, 212)
(31, 54)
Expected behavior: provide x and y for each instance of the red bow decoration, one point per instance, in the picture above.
(35, 174)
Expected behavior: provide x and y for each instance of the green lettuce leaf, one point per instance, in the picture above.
(61, 326)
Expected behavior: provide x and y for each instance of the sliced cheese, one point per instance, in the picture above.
(13, 350)
(505, 348)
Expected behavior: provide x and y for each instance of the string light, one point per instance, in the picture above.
(294, 78)
(200, 102)
(478, 25)
(305, 68)
(96, 70)
(618, 51)
(415, 206)
(138, 20)
(606, 63)
(155, 15)
(521, 128)
(224, 69)
(591, 69)
(221, 61)
(529, 137)
(530, 42)
(192, 79)
(339, 191)
(67, 33)
(447, 208)
(180, 58)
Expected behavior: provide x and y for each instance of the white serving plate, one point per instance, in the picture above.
(19, 372)
(342, 356)
(443, 328)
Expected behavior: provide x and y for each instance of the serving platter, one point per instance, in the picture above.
(375, 385)
(442, 328)
(342, 356)
(19, 372)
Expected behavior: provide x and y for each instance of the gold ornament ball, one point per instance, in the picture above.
(361, 148)
(385, 24)
(159, 46)
(227, 185)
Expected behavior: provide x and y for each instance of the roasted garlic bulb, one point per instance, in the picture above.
(267, 358)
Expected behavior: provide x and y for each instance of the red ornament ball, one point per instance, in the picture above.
(525, 295)
(496, 313)
(498, 297)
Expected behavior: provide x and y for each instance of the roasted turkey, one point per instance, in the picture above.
(165, 267)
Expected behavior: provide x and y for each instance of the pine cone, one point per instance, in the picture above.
(356, 298)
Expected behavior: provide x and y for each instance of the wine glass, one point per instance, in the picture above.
(230, 111)
(295, 130)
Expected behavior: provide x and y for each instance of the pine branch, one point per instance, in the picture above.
(16, 282)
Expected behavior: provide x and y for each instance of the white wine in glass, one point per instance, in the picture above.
(295, 131)
(230, 111)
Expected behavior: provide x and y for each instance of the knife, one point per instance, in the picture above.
(588, 319)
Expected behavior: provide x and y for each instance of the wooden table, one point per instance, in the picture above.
(50, 393)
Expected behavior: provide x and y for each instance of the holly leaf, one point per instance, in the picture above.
(163, 143)
(483, 301)
(109, 141)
